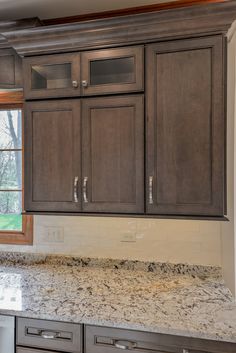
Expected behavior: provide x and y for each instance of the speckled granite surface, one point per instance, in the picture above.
(165, 300)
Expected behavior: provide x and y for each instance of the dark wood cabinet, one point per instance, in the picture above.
(185, 127)
(11, 69)
(113, 154)
(52, 156)
(98, 72)
(52, 76)
(112, 340)
(35, 336)
(112, 70)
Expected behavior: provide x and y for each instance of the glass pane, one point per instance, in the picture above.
(10, 129)
(10, 210)
(10, 170)
(51, 76)
(118, 70)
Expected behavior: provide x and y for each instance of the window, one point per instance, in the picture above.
(15, 228)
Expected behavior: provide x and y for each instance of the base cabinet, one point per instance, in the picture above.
(35, 336)
(113, 340)
(31, 350)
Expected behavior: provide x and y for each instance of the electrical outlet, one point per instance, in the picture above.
(128, 237)
(54, 235)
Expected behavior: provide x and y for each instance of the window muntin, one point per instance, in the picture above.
(11, 170)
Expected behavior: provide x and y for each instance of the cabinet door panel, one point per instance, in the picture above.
(52, 76)
(113, 154)
(52, 155)
(112, 70)
(11, 69)
(186, 127)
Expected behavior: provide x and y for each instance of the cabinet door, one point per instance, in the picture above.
(112, 71)
(11, 69)
(52, 76)
(112, 166)
(185, 127)
(52, 156)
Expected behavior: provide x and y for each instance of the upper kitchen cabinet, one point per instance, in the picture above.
(113, 154)
(112, 71)
(186, 127)
(11, 69)
(100, 72)
(52, 76)
(52, 156)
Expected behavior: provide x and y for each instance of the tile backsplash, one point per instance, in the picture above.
(176, 241)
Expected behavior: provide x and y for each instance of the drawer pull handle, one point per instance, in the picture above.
(49, 335)
(185, 351)
(125, 345)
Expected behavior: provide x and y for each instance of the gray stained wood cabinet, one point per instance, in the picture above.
(11, 69)
(52, 156)
(113, 154)
(104, 154)
(35, 336)
(112, 138)
(100, 339)
(185, 127)
(52, 76)
(88, 73)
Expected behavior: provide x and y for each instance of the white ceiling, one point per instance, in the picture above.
(16, 9)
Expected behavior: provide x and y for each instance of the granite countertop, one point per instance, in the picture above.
(163, 298)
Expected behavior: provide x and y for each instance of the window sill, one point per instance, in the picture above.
(19, 238)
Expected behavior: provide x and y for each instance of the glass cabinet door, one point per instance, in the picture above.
(112, 71)
(52, 76)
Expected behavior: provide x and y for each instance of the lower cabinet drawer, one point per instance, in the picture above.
(48, 335)
(31, 350)
(111, 340)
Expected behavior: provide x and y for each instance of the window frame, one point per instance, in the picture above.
(14, 100)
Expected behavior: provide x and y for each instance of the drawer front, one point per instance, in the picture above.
(45, 334)
(112, 340)
(109, 340)
(31, 350)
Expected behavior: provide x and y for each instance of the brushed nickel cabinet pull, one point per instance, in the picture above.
(125, 345)
(84, 83)
(151, 190)
(185, 351)
(76, 179)
(85, 189)
(75, 84)
(48, 335)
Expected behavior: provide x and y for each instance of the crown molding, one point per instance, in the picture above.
(104, 33)
(6, 26)
(127, 11)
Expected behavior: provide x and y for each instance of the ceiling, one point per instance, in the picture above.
(44, 9)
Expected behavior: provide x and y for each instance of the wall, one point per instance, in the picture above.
(191, 242)
(194, 242)
(228, 229)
